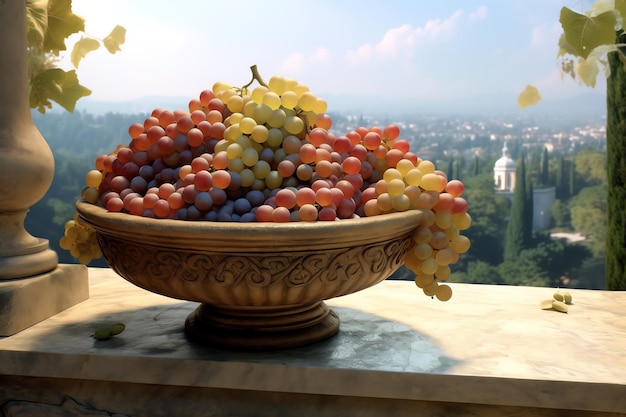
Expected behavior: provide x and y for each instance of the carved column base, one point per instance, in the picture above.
(27, 301)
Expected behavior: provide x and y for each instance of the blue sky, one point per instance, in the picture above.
(443, 50)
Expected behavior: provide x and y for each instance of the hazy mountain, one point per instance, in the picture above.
(590, 105)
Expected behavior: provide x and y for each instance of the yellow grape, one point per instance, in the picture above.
(277, 84)
(413, 177)
(93, 178)
(258, 93)
(294, 125)
(404, 166)
(307, 101)
(460, 244)
(429, 266)
(443, 292)
(431, 289)
(443, 272)
(289, 99)
(320, 106)
(400, 202)
(272, 100)
(424, 280)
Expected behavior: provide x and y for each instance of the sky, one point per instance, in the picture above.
(432, 50)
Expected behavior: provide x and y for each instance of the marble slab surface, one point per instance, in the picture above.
(488, 345)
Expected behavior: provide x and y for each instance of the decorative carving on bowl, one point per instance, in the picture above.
(261, 285)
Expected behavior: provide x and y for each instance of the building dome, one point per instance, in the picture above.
(504, 171)
(505, 162)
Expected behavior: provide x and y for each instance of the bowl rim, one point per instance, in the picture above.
(248, 236)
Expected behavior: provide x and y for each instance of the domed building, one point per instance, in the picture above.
(504, 174)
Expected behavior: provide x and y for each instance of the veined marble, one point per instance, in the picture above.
(488, 345)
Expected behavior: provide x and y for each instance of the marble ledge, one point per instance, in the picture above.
(488, 345)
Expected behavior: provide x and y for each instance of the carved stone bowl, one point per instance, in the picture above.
(260, 285)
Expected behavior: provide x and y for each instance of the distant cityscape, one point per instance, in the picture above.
(440, 138)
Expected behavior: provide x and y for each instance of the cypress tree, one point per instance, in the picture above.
(476, 166)
(615, 260)
(516, 236)
(450, 171)
(528, 215)
(544, 175)
(571, 185)
(561, 192)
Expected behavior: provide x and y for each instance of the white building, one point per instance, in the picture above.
(504, 174)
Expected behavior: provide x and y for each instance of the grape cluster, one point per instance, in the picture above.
(80, 240)
(267, 154)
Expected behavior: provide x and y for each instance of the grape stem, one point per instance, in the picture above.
(255, 76)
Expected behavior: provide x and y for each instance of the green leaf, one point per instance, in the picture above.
(82, 48)
(108, 331)
(529, 97)
(61, 24)
(564, 47)
(56, 85)
(36, 21)
(584, 33)
(116, 38)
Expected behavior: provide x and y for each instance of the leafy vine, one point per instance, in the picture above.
(586, 40)
(48, 25)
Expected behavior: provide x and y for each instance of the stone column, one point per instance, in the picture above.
(28, 268)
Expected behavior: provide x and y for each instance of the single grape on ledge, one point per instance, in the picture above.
(266, 154)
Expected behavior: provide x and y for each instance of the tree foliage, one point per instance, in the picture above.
(616, 165)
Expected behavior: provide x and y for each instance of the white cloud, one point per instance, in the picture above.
(478, 14)
(406, 38)
(545, 35)
(298, 62)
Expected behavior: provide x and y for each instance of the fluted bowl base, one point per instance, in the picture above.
(268, 328)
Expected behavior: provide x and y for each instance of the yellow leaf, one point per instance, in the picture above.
(529, 97)
(82, 48)
(56, 85)
(61, 24)
(587, 71)
(116, 38)
(620, 7)
(36, 21)
(584, 33)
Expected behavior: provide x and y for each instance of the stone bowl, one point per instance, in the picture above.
(261, 285)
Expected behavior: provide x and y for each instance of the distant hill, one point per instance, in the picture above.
(589, 105)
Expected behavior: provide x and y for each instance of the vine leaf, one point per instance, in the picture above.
(82, 48)
(57, 85)
(114, 39)
(529, 97)
(61, 24)
(620, 6)
(584, 33)
(587, 71)
(37, 21)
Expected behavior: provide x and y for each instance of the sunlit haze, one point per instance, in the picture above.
(444, 51)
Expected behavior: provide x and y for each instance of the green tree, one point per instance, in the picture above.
(544, 175)
(478, 272)
(588, 216)
(591, 166)
(616, 165)
(561, 183)
(560, 213)
(517, 235)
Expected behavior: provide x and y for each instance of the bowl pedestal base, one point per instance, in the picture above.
(262, 328)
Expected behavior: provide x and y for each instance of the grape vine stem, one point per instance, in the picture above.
(255, 76)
